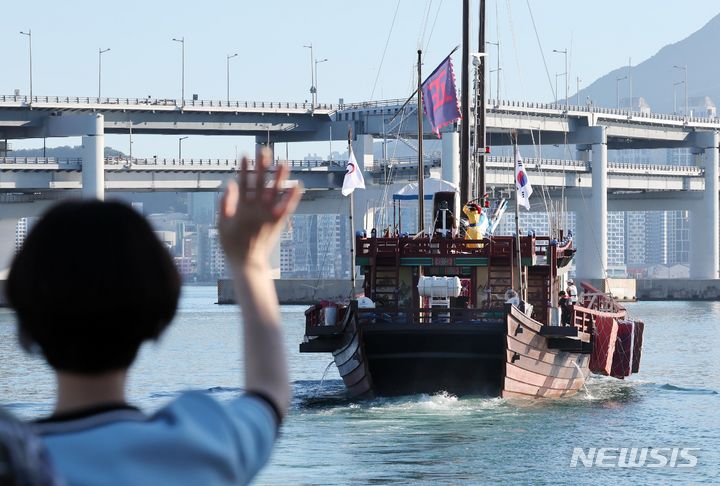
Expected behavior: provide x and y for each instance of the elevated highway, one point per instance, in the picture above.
(536, 123)
(592, 130)
(47, 174)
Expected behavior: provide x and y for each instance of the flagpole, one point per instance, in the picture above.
(352, 225)
(518, 253)
(352, 246)
(465, 110)
(421, 168)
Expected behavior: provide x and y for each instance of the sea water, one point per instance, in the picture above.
(671, 405)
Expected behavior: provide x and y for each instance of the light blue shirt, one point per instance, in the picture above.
(193, 440)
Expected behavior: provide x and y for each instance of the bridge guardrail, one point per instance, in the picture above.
(492, 105)
(499, 105)
(157, 161)
(39, 160)
(230, 163)
(90, 100)
(409, 162)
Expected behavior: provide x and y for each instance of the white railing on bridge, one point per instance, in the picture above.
(502, 162)
(560, 109)
(169, 102)
(339, 165)
(170, 162)
(40, 160)
(406, 162)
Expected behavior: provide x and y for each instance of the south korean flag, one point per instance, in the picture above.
(523, 189)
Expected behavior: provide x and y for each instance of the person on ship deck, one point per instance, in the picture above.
(92, 283)
(565, 309)
(572, 292)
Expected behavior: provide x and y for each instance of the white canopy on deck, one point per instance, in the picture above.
(431, 185)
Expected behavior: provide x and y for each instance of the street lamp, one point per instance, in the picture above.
(312, 76)
(182, 43)
(180, 148)
(228, 75)
(497, 69)
(316, 76)
(617, 90)
(675, 85)
(100, 53)
(29, 35)
(684, 68)
(565, 52)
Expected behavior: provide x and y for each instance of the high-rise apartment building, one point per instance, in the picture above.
(22, 228)
(315, 246)
(216, 257)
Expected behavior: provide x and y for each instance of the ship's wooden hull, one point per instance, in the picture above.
(533, 369)
(511, 359)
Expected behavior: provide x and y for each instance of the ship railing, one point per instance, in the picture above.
(584, 318)
(502, 247)
(593, 298)
(443, 246)
(600, 301)
(456, 316)
(430, 316)
(497, 247)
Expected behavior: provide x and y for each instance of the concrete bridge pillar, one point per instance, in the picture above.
(363, 149)
(591, 223)
(583, 153)
(704, 224)
(93, 159)
(450, 157)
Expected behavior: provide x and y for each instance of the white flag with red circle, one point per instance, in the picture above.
(353, 177)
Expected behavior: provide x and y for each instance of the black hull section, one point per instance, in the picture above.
(391, 360)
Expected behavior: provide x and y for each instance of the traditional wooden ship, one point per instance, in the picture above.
(476, 343)
(450, 312)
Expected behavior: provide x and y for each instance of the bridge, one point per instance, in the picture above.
(591, 177)
(536, 123)
(47, 174)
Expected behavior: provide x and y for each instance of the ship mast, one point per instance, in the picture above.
(421, 165)
(465, 109)
(480, 142)
(479, 129)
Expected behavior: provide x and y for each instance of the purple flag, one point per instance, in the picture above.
(440, 101)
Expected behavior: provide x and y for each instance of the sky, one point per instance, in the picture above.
(370, 47)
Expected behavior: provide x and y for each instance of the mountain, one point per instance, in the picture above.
(653, 78)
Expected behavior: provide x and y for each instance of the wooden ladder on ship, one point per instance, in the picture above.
(500, 279)
(385, 275)
(538, 293)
